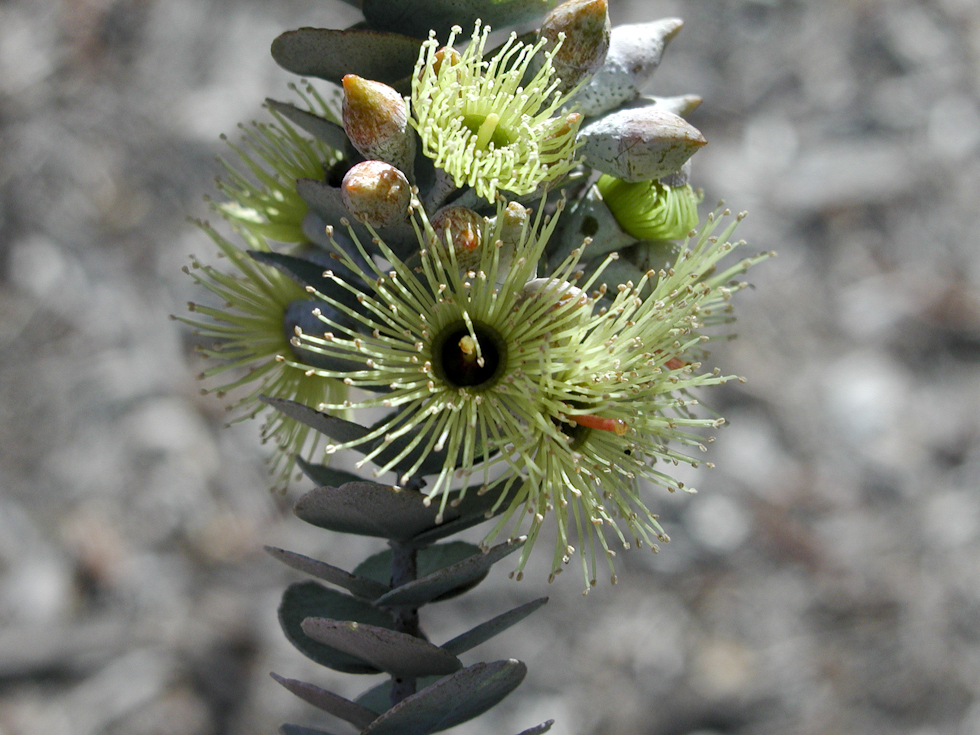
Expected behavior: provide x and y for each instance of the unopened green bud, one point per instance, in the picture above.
(376, 193)
(586, 26)
(376, 121)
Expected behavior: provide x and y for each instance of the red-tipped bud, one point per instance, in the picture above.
(376, 193)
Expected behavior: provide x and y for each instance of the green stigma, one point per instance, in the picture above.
(649, 210)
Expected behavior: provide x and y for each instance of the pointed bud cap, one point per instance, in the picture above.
(376, 193)
(376, 121)
(586, 26)
(639, 144)
(635, 51)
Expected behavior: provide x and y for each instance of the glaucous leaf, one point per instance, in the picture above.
(378, 698)
(538, 729)
(400, 654)
(428, 561)
(454, 579)
(319, 127)
(328, 53)
(323, 475)
(485, 631)
(300, 730)
(312, 600)
(336, 705)
(451, 700)
(417, 17)
(367, 509)
(366, 589)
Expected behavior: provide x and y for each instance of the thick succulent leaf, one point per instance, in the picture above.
(312, 600)
(329, 54)
(323, 475)
(400, 654)
(417, 17)
(337, 429)
(378, 698)
(367, 509)
(319, 127)
(310, 275)
(485, 631)
(635, 51)
(589, 218)
(455, 578)
(538, 729)
(428, 561)
(304, 315)
(639, 143)
(300, 730)
(451, 700)
(471, 510)
(367, 589)
(336, 705)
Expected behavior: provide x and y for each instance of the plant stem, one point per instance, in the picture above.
(404, 569)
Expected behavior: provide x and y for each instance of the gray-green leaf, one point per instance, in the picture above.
(459, 576)
(328, 53)
(311, 600)
(451, 700)
(361, 587)
(399, 654)
(485, 631)
(336, 705)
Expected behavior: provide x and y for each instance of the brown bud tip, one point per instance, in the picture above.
(465, 229)
(587, 29)
(375, 117)
(443, 55)
(376, 193)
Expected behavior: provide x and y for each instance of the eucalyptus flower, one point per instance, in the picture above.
(246, 329)
(483, 125)
(562, 409)
(618, 409)
(265, 201)
(248, 342)
(461, 350)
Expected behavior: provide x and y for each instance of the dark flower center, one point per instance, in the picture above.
(474, 360)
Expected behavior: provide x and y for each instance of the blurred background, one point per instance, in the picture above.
(825, 581)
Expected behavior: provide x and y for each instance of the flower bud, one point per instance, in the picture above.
(639, 144)
(465, 231)
(586, 26)
(376, 193)
(635, 51)
(376, 121)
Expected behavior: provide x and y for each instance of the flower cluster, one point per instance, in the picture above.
(543, 351)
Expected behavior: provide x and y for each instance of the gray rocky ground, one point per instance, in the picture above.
(826, 580)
